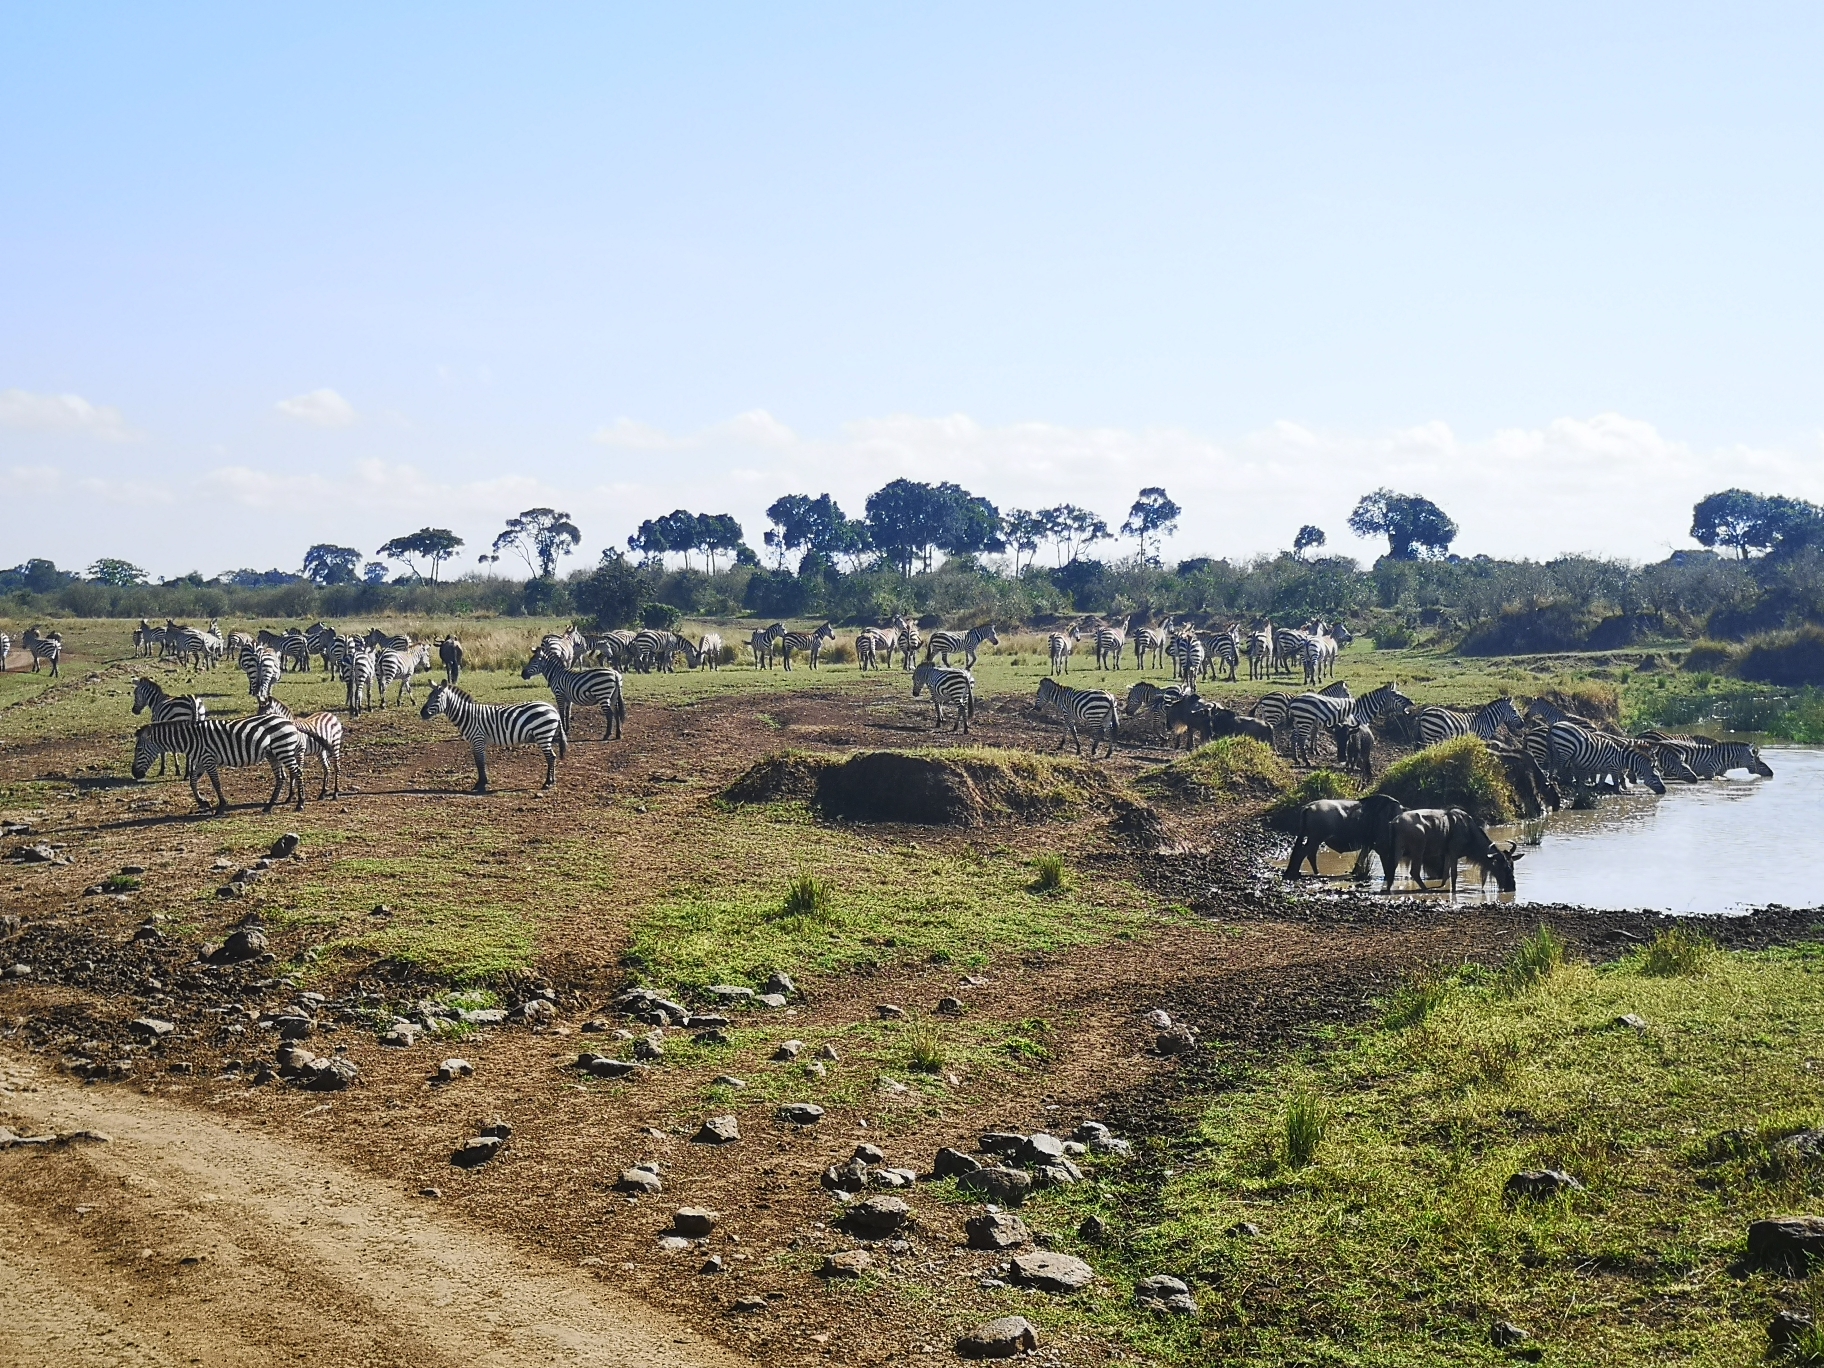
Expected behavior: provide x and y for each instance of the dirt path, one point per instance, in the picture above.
(190, 1240)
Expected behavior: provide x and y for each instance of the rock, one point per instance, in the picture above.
(696, 1222)
(150, 1028)
(890, 1087)
(780, 984)
(1007, 1186)
(330, 1075)
(249, 942)
(953, 1163)
(1505, 1334)
(434, 1193)
(748, 1306)
(294, 1059)
(828, 1051)
(870, 1154)
(1629, 1022)
(539, 1012)
(894, 1178)
(650, 1047)
(1040, 1148)
(641, 1180)
(996, 1230)
(887, 1011)
(1176, 1041)
(849, 1177)
(484, 1016)
(477, 1151)
(1002, 1338)
(1094, 1230)
(1108, 1144)
(452, 1069)
(1159, 1019)
(951, 1006)
(800, 1113)
(1052, 1272)
(698, 1021)
(850, 1263)
(711, 1038)
(1784, 1330)
(1159, 1287)
(788, 1050)
(1183, 1304)
(293, 1026)
(38, 853)
(729, 1081)
(713, 1264)
(718, 1130)
(1244, 1230)
(1005, 1143)
(600, 1066)
(401, 1035)
(1786, 1241)
(1090, 1130)
(773, 1000)
(286, 846)
(815, 1069)
(497, 1128)
(1075, 1149)
(599, 1026)
(1539, 1185)
(1059, 1174)
(675, 1244)
(877, 1217)
(1802, 1145)
(18, 971)
(729, 992)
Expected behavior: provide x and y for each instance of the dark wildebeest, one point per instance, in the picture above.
(1200, 721)
(1343, 825)
(449, 651)
(1432, 840)
(1355, 749)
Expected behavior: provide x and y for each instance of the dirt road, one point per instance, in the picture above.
(184, 1239)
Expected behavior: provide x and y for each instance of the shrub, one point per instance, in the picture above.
(1789, 658)
(1711, 657)
(1536, 960)
(1233, 767)
(1049, 876)
(1676, 953)
(838, 653)
(661, 617)
(1586, 697)
(1307, 1118)
(1460, 773)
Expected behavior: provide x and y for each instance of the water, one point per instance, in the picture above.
(1723, 846)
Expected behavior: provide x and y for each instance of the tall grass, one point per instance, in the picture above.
(806, 896)
(1307, 1118)
(1416, 999)
(1536, 960)
(1676, 953)
(924, 1046)
(1049, 876)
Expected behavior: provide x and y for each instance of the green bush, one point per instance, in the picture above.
(806, 896)
(661, 617)
(1049, 876)
(1234, 767)
(924, 1047)
(1676, 953)
(1461, 773)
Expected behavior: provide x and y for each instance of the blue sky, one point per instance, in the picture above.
(281, 276)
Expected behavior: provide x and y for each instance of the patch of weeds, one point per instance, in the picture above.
(1307, 1119)
(1675, 953)
(1415, 1000)
(1539, 957)
(1027, 1043)
(808, 897)
(924, 1046)
(1049, 876)
(121, 883)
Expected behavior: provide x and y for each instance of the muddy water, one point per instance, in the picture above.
(1723, 846)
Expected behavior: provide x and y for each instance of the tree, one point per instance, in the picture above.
(1025, 531)
(1072, 530)
(681, 532)
(1154, 516)
(374, 572)
(539, 536)
(650, 541)
(1410, 523)
(906, 519)
(612, 593)
(325, 563)
(1308, 536)
(433, 544)
(118, 573)
(803, 522)
(970, 523)
(1735, 518)
(717, 532)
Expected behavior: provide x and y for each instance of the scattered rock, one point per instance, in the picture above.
(39, 853)
(828, 1051)
(711, 1038)
(779, 984)
(1162, 1292)
(675, 1244)
(773, 1000)
(293, 1026)
(1179, 1040)
(1786, 1241)
(1007, 1186)
(815, 1069)
(1052, 1272)
(729, 992)
(849, 1177)
(788, 1050)
(699, 1021)
(894, 1178)
(748, 1306)
(1094, 1230)
(953, 1163)
(642, 1180)
(476, 1151)
(484, 1016)
(1803, 1145)
(1040, 1148)
(1002, 1338)
(452, 1069)
(1244, 1230)
(1784, 1330)
(718, 1130)
(1006, 1143)
(1630, 1022)
(539, 1012)
(651, 1046)
(713, 1264)
(951, 1006)
(877, 1217)
(1058, 1174)
(434, 1193)
(286, 846)
(696, 1222)
(401, 1035)
(1539, 1185)
(996, 1230)
(800, 1113)
(870, 1154)
(1108, 1144)
(729, 1081)
(1091, 1130)
(600, 1066)
(150, 1028)
(850, 1263)
(888, 1012)
(1505, 1335)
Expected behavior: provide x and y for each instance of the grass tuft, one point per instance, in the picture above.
(1676, 953)
(1539, 956)
(1458, 773)
(924, 1047)
(1307, 1118)
(807, 896)
(1415, 1000)
(1049, 876)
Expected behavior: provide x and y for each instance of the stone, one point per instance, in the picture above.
(890, 1087)
(1091, 1130)
(330, 1075)
(870, 1154)
(1244, 1230)
(698, 1021)
(1505, 1334)
(1007, 1186)
(452, 1069)
(1075, 1149)
(713, 1264)
(1110, 1145)
(249, 942)
(1183, 1304)
(484, 1016)
(1784, 1331)
(729, 1081)
(1176, 1041)
(1786, 1241)
(1059, 1174)
(293, 1026)
(953, 1163)
(800, 1113)
(996, 1230)
(1802, 1145)
(601, 1067)
(894, 1178)
(477, 1151)
(497, 1128)
(650, 1047)
(1040, 1148)
(718, 1130)
(887, 1011)
(729, 992)
(1094, 1230)
(539, 1012)
(951, 1006)
(849, 1177)
(877, 1217)
(150, 1028)
(1629, 1022)
(779, 984)
(401, 1035)
(1006, 1143)
(1159, 1019)
(850, 1263)
(828, 1051)
(286, 846)
(597, 1026)
(675, 1244)
(1001, 1338)
(1539, 1185)
(696, 1222)
(773, 1000)
(18, 971)
(640, 1180)
(1051, 1272)
(788, 1050)
(1159, 1287)
(711, 1038)
(815, 1069)
(748, 1306)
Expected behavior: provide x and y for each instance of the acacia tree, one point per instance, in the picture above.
(1072, 530)
(1153, 516)
(1410, 522)
(433, 544)
(539, 536)
(1308, 537)
(1024, 531)
(326, 563)
(906, 519)
(717, 532)
(118, 573)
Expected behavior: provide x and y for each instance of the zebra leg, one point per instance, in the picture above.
(278, 783)
(481, 767)
(550, 765)
(607, 720)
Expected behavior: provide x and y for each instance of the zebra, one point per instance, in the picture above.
(1319, 656)
(211, 745)
(592, 688)
(391, 664)
(1288, 648)
(811, 643)
(1709, 758)
(1544, 710)
(1187, 653)
(6, 649)
(1093, 710)
(449, 655)
(322, 736)
(1260, 651)
(1223, 649)
(906, 642)
(944, 643)
(652, 648)
(709, 652)
(322, 641)
(42, 648)
(363, 674)
(143, 638)
(262, 668)
(761, 644)
(1442, 724)
(1586, 756)
(1062, 644)
(1110, 643)
(235, 643)
(1275, 709)
(147, 693)
(1150, 641)
(500, 724)
(867, 649)
(953, 687)
(1314, 712)
(379, 640)
(273, 641)
(191, 647)
(295, 650)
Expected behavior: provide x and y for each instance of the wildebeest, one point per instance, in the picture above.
(1199, 721)
(449, 652)
(1345, 825)
(1355, 748)
(1431, 841)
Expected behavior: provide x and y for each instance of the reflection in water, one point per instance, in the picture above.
(1722, 846)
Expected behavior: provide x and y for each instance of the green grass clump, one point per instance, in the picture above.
(806, 896)
(1234, 767)
(1676, 953)
(1314, 787)
(1538, 957)
(924, 1047)
(1049, 876)
(1307, 1118)
(1415, 1000)
(1461, 773)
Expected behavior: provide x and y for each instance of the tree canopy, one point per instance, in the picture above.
(433, 544)
(1411, 523)
(326, 563)
(1154, 516)
(1308, 537)
(1754, 522)
(118, 573)
(538, 536)
(908, 521)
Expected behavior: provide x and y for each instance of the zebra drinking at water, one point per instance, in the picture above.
(952, 688)
(499, 724)
(592, 688)
(1587, 757)
(944, 643)
(1093, 710)
(264, 738)
(1709, 758)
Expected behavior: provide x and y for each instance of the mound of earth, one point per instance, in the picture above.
(957, 787)
(1234, 769)
(779, 778)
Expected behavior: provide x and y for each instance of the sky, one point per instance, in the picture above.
(271, 276)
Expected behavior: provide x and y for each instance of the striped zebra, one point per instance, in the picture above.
(449, 655)
(1110, 643)
(652, 648)
(1586, 757)
(500, 724)
(322, 641)
(294, 650)
(1222, 649)
(946, 643)
(1092, 710)
(262, 668)
(709, 652)
(378, 640)
(143, 638)
(954, 688)
(760, 642)
(1319, 656)
(192, 648)
(234, 643)
(392, 666)
(610, 648)
(1187, 653)
(322, 735)
(1275, 709)
(363, 675)
(868, 646)
(1709, 758)
(1260, 651)
(1150, 641)
(272, 641)
(1311, 713)
(906, 641)
(592, 688)
(1437, 724)
(6, 649)
(811, 643)
(1062, 644)
(211, 746)
(149, 694)
(42, 648)
(1288, 648)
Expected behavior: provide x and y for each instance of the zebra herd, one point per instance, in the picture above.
(41, 647)
(1207, 653)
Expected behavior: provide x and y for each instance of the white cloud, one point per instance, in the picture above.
(61, 413)
(319, 408)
